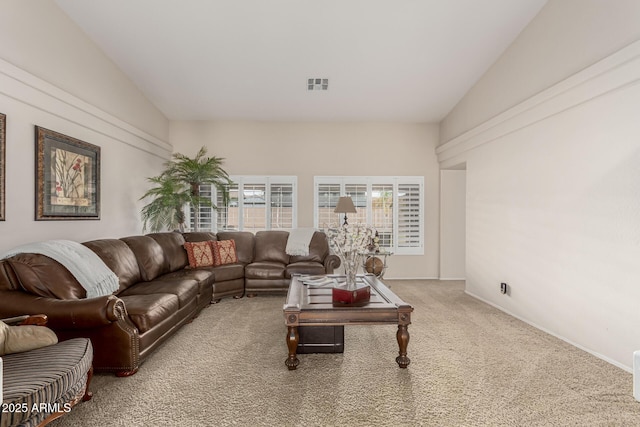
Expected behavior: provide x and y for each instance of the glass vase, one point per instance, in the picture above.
(351, 261)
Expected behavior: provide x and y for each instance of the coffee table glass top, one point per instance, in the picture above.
(312, 297)
(317, 296)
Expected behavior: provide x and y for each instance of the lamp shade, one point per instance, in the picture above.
(345, 205)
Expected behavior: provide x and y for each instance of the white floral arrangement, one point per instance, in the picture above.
(351, 238)
(375, 243)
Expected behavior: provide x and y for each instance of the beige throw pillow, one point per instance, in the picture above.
(16, 339)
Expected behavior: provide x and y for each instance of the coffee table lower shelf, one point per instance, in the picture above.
(320, 339)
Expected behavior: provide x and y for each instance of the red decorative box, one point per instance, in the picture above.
(354, 296)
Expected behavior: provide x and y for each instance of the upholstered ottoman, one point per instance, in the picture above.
(43, 384)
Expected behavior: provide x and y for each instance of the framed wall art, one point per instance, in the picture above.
(67, 177)
(3, 163)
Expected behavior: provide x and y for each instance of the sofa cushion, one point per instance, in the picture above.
(148, 311)
(119, 258)
(264, 270)
(185, 289)
(200, 254)
(45, 277)
(227, 272)
(198, 236)
(270, 246)
(175, 257)
(149, 256)
(224, 252)
(304, 267)
(318, 249)
(204, 276)
(245, 244)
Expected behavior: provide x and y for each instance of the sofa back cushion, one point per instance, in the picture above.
(172, 243)
(199, 236)
(244, 244)
(149, 255)
(318, 249)
(271, 246)
(45, 277)
(119, 258)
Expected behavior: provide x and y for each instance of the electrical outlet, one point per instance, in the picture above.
(504, 288)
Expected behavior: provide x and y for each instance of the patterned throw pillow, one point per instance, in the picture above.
(224, 252)
(200, 254)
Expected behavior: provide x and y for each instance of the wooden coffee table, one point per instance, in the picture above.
(309, 305)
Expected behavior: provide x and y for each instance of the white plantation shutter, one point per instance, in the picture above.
(205, 212)
(327, 196)
(393, 205)
(227, 214)
(382, 213)
(255, 203)
(202, 215)
(281, 201)
(358, 193)
(409, 217)
(254, 212)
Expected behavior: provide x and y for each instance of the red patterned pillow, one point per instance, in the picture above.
(224, 252)
(200, 254)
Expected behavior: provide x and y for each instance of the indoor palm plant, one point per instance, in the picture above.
(178, 186)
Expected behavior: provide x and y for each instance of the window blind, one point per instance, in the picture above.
(393, 205)
(409, 216)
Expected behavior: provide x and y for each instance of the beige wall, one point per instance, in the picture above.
(452, 224)
(553, 183)
(309, 149)
(566, 37)
(39, 38)
(52, 76)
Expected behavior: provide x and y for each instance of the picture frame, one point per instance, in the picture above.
(67, 177)
(3, 158)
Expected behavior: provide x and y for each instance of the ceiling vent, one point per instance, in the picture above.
(317, 84)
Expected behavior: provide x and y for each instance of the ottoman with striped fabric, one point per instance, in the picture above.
(43, 384)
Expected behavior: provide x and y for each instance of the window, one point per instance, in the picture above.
(326, 199)
(393, 205)
(204, 218)
(255, 203)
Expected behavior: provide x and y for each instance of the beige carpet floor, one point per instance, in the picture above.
(471, 365)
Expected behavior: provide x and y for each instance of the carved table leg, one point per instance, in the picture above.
(292, 343)
(403, 341)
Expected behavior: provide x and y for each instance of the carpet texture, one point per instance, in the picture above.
(471, 365)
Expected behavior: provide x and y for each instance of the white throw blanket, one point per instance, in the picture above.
(299, 240)
(87, 267)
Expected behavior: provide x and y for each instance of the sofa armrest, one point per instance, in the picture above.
(331, 262)
(64, 314)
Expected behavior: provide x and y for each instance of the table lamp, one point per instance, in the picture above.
(345, 206)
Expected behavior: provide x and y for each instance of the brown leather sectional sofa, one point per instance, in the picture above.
(158, 292)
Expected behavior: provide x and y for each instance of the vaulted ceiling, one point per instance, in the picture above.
(385, 60)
